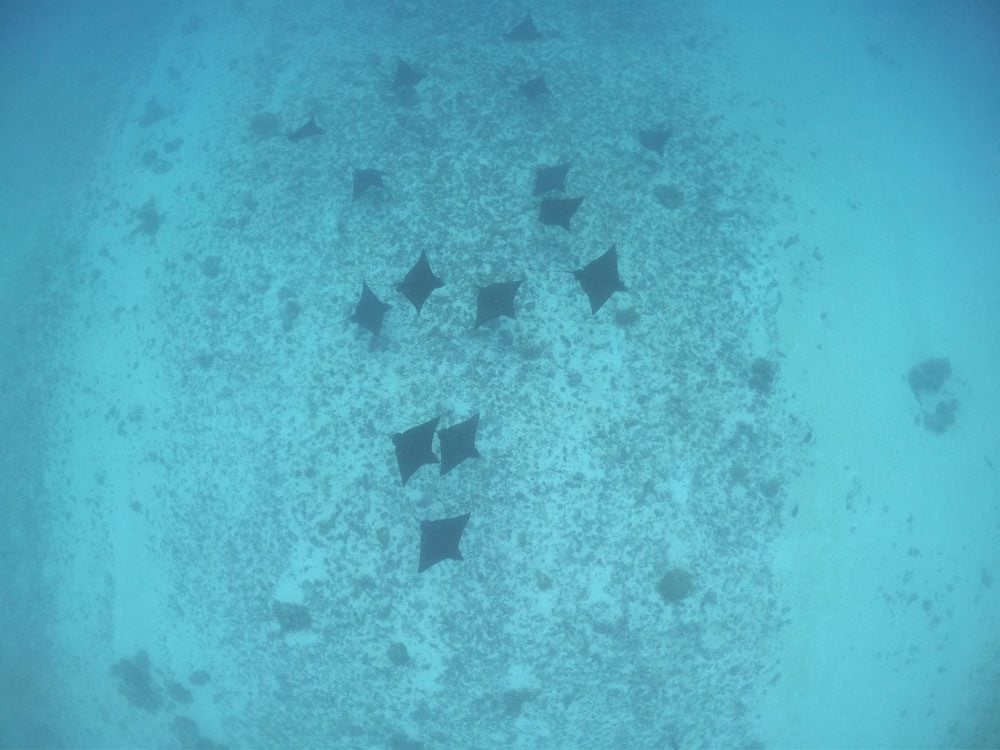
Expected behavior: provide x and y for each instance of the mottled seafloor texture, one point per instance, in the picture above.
(214, 547)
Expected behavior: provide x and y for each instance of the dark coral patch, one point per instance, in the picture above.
(135, 681)
(675, 585)
(292, 617)
(929, 376)
(763, 373)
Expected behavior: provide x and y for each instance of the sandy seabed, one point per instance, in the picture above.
(230, 558)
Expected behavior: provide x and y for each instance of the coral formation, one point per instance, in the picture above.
(763, 373)
(398, 654)
(136, 682)
(929, 376)
(928, 381)
(675, 585)
(292, 617)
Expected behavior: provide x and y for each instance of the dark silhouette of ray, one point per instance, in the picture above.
(413, 448)
(548, 179)
(458, 443)
(370, 310)
(534, 88)
(600, 279)
(524, 31)
(419, 282)
(364, 179)
(439, 540)
(406, 76)
(306, 131)
(558, 211)
(495, 300)
(654, 140)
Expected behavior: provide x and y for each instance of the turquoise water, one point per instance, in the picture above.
(752, 501)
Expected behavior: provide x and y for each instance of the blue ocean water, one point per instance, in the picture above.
(750, 501)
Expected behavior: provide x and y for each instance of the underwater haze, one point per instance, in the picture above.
(694, 445)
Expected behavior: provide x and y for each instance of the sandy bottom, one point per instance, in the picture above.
(212, 542)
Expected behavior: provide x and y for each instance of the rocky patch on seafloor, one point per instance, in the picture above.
(139, 686)
(149, 220)
(135, 681)
(292, 617)
(675, 585)
(929, 382)
(188, 734)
